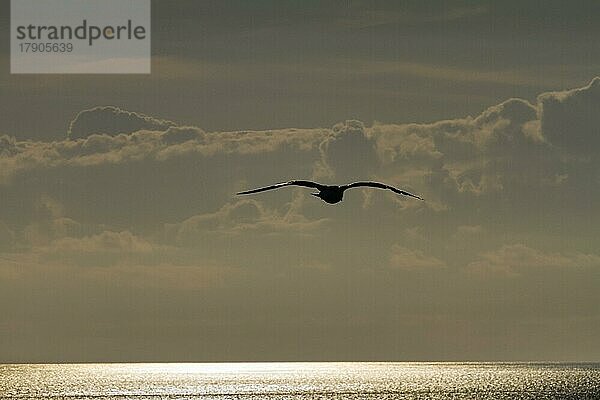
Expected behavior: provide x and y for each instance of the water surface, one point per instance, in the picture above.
(278, 381)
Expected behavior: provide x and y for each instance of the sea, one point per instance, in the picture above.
(299, 380)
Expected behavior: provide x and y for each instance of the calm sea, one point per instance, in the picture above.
(355, 380)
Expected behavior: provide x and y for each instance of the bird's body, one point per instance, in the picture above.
(331, 194)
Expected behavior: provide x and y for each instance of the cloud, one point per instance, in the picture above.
(468, 232)
(472, 155)
(110, 242)
(413, 260)
(8, 145)
(48, 222)
(393, 142)
(157, 146)
(506, 153)
(180, 179)
(177, 135)
(242, 217)
(570, 119)
(490, 153)
(110, 120)
(104, 249)
(517, 259)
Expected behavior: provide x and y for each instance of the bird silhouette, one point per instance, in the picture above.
(330, 193)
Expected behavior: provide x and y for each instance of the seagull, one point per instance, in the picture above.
(330, 193)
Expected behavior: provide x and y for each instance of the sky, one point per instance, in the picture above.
(121, 238)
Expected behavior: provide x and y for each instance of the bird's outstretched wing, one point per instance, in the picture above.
(380, 186)
(282, 184)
